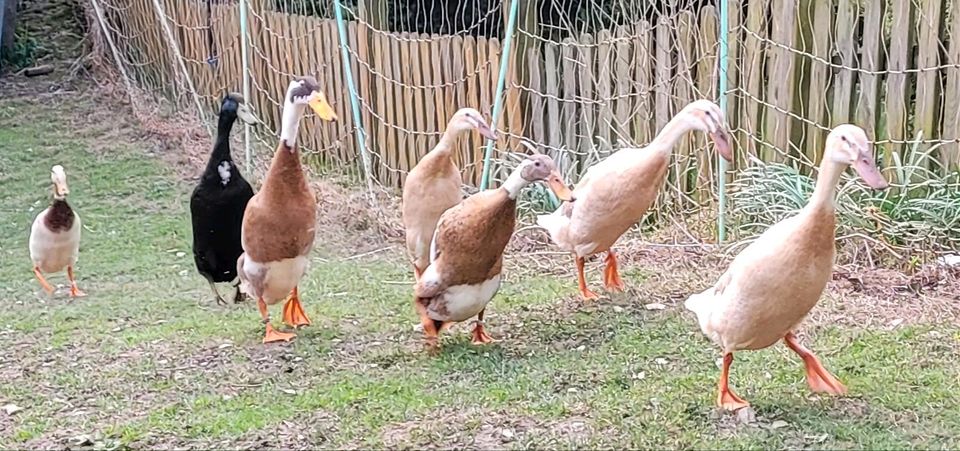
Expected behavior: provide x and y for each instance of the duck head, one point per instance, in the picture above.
(537, 167)
(466, 119)
(848, 145)
(234, 106)
(706, 116)
(59, 179)
(303, 92)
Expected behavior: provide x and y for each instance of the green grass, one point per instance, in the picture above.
(147, 360)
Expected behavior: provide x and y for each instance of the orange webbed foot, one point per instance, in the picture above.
(76, 293)
(480, 336)
(588, 295)
(293, 313)
(728, 400)
(825, 383)
(273, 335)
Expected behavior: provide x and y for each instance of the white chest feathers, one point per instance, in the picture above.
(461, 302)
(225, 171)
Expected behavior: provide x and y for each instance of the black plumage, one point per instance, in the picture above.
(217, 205)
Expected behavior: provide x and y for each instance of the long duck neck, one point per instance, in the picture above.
(290, 127)
(447, 142)
(221, 148)
(670, 134)
(514, 184)
(826, 188)
(285, 169)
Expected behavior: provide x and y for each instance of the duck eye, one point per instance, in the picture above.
(537, 164)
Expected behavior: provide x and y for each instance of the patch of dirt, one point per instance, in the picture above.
(484, 429)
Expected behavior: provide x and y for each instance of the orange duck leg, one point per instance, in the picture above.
(726, 398)
(818, 378)
(480, 336)
(43, 281)
(74, 291)
(611, 274)
(582, 282)
(271, 334)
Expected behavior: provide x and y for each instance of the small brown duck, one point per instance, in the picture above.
(466, 253)
(55, 236)
(433, 186)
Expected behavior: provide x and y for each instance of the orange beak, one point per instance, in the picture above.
(323, 109)
(555, 182)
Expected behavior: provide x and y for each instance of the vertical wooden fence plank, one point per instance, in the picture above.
(819, 81)
(535, 100)
(752, 73)
(707, 74)
(643, 54)
(898, 82)
(569, 113)
(871, 60)
(928, 97)
(603, 75)
(623, 77)
(780, 93)
(950, 153)
(551, 69)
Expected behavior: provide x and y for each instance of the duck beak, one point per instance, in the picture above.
(722, 140)
(244, 114)
(555, 182)
(323, 109)
(60, 189)
(486, 131)
(866, 168)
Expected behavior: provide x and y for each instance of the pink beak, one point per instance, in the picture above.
(867, 170)
(722, 141)
(487, 132)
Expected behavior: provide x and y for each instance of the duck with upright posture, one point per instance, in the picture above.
(466, 254)
(55, 236)
(433, 186)
(217, 205)
(280, 221)
(616, 192)
(772, 284)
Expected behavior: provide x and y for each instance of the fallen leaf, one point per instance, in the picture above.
(288, 391)
(11, 409)
(779, 424)
(655, 306)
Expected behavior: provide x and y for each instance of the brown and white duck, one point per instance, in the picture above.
(433, 186)
(616, 192)
(55, 236)
(772, 284)
(280, 220)
(466, 253)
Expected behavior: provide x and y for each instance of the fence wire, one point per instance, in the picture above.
(585, 78)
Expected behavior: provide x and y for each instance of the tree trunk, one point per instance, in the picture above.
(8, 21)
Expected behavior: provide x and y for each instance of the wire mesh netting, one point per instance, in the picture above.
(584, 78)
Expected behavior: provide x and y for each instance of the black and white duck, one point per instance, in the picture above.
(217, 205)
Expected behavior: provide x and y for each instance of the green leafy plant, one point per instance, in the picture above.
(920, 211)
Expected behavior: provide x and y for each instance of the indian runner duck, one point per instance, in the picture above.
(466, 253)
(772, 284)
(280, 220)
(55, 236)
(433, 186)
(217, 205)
(615, 193)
